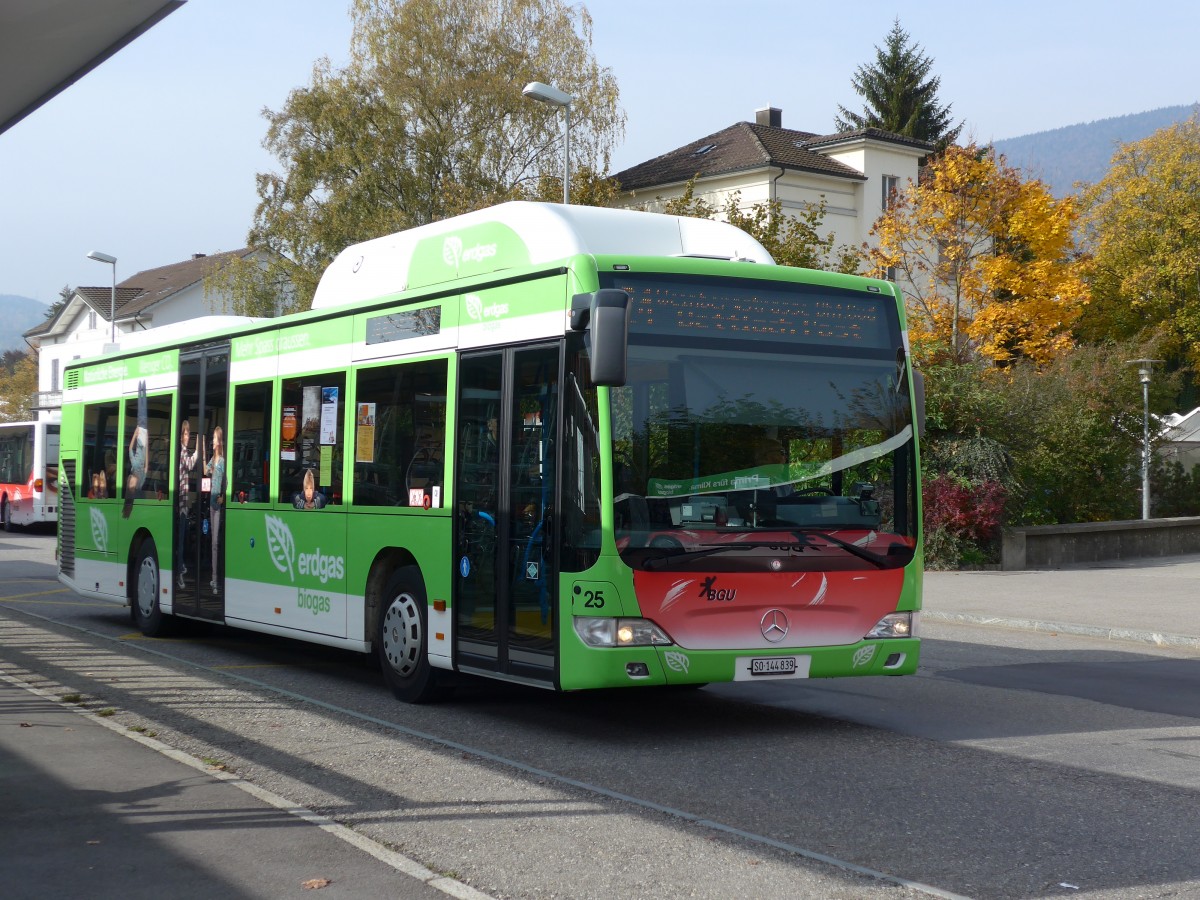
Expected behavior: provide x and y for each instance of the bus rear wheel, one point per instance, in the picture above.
(144, 608)
(402, 640)
(6, 515)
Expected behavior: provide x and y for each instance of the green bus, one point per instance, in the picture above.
(562, 446)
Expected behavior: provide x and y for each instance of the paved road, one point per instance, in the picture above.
(987, 775)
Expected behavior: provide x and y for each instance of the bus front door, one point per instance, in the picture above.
(505, 567)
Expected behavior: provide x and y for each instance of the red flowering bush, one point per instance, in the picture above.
(962, 520)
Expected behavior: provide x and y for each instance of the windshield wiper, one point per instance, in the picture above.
(712, 549)
(880, 562)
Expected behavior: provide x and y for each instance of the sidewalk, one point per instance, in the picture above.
(1154, 601)
(88, 812)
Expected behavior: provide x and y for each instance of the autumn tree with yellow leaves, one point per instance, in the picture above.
(986, 260)
(1143, 236)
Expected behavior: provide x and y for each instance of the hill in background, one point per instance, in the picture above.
(1082, 153)
(18, 315)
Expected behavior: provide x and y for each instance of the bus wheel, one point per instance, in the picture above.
(402, 640)
(147, 615)
(6, 515)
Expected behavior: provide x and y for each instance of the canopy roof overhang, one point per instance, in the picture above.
(48, 45)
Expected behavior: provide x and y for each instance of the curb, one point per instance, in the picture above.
(1134, 635)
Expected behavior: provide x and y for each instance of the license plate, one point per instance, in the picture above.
(750, 668)
(773, 665)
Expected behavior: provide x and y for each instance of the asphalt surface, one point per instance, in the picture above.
(133, 817)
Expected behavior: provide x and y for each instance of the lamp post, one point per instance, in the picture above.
(112, 309)
(545, 93)
(1145, 369)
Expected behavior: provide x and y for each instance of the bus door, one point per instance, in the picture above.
(200, 492)
(505, 563)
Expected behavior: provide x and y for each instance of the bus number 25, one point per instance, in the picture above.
(592, 599)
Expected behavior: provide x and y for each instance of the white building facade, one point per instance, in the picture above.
(854, 172)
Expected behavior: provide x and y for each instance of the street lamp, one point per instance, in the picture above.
(112, 310)
(545, 93)
(1145, 369)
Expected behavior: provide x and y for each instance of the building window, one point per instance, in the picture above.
(92, 320)
(891, 186)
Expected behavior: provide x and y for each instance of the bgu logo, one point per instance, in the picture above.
(709, 591)
(283, 554)
(477, 311)
(453, 253)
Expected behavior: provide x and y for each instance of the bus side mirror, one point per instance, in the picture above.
(604, 313)
(919, 400)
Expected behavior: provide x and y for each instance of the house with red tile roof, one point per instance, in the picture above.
(854, 172)
(86, 324)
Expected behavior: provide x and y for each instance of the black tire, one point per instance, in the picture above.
(6, 516)
(144, 607)
(402, 639)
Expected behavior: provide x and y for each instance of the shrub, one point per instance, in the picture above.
(962, 521)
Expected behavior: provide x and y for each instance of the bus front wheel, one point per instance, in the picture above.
(403, 641)
(144, 609)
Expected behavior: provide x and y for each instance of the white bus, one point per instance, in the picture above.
(28, 473)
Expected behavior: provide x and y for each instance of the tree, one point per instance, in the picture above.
(18, 386)
(985, 259)
(10, 359)
(1143, 233)
(900, 95)
(792, 240)
(426, 121)
(65, 293)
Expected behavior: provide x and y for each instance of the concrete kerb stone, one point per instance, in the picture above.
(1131, 635)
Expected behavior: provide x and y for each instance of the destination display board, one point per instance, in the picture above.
(758, 310)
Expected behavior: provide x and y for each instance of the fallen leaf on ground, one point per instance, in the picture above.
(315, 884)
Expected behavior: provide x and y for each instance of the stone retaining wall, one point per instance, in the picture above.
(1056, 546)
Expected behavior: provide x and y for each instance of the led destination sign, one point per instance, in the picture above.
(758, 310)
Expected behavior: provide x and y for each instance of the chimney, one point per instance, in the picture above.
(769, 115)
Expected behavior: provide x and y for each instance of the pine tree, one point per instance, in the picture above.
(900, 95)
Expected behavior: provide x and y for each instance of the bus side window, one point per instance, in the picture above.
(400, 433)
(312, 435)
(158, 424)
(99, 449)
(249, 446)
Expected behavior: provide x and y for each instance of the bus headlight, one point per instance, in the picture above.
(895, 625)
(601, 632)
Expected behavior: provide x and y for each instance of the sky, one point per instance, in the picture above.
(152, 156)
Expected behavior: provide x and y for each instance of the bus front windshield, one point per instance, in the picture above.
(763, 427)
